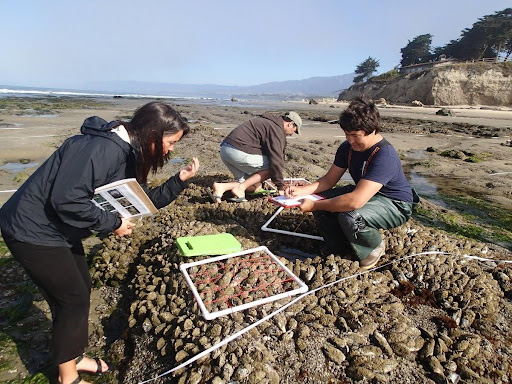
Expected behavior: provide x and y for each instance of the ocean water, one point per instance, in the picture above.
(249, 101)
(15, 91)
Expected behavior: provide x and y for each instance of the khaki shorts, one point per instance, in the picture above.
(241, 164)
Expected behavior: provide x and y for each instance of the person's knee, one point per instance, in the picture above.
(78, 301)
(351, 222)
(71, 314)
(82, 303)
(318, 215)
(324, 218)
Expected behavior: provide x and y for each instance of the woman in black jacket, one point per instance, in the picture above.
(44, 221)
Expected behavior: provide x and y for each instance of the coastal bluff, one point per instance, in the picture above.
(457, 84)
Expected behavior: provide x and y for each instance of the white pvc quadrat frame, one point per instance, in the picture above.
(213, 315)
(265, 227)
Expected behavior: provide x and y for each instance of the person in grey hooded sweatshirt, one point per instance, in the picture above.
(46, 218)
(253, 152)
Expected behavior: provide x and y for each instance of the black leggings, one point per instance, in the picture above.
(62, 276)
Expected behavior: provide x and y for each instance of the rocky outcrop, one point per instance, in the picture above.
(426, 318)
(457, 84)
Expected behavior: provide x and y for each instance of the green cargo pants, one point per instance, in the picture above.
(358, 230)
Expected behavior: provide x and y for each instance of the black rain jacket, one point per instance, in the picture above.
(54, 208)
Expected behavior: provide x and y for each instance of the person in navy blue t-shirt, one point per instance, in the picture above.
(381, 197)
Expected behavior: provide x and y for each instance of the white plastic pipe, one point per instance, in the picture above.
(265, 227)
(213, 315)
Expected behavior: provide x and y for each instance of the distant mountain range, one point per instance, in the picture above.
(312, 87)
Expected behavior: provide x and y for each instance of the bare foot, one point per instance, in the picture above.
(255, 188)
(218, 189)
(238, 192)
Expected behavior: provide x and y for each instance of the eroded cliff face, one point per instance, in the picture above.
(458, 84)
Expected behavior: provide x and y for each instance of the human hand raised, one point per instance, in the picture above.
(125, 228)
(190, 170)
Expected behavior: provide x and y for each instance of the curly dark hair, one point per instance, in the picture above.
(360, 115)
(149, 124)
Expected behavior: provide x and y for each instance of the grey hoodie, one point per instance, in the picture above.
(263, 135)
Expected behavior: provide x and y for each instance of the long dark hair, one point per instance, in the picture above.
(361, 115)
(149, 124)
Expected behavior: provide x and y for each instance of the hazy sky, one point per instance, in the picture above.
(54, 43)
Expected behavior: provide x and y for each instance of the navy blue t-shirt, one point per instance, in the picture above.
(384, 168)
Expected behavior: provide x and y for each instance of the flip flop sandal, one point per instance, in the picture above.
(98, 366)
(214, 198)
(77, 380)
(237, 199)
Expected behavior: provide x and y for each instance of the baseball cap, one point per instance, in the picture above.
(294, 116)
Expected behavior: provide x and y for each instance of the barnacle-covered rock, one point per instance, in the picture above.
(334, 353)
(427, 313)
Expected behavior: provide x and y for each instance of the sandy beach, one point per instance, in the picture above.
(422, 320)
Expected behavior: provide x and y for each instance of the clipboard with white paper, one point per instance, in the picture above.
(286, 202)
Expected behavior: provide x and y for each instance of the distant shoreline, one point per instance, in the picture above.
(252, 101)
(17, 91)
(11, 91)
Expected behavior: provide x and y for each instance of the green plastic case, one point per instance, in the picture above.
(219, 244)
